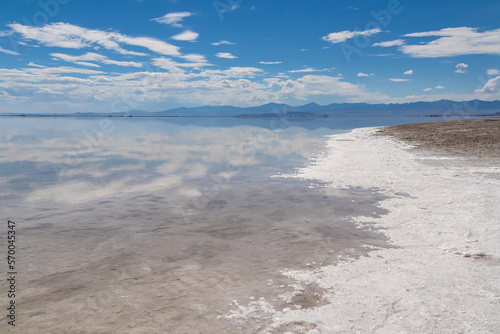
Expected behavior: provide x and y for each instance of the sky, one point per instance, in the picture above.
(108, 56)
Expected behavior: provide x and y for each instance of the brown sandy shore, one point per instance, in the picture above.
(479, 138)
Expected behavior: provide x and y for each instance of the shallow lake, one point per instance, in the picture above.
(165, 223)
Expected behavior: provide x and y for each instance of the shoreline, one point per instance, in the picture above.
(443, 274)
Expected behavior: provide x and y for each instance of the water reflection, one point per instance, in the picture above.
(76, 160)
(116, 215)
(70, 160)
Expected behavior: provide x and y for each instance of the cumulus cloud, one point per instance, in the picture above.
(187, 35)
(409, 72)
(226, 55)
(427, 89)
(242, 71)
(493, 71)
(342, 36)
(322, 85)
(233, 86)
(174, 19)
(399, 80)
(270, 62)
(361, 74)
(491, 87)
(223, 42)
(65, 35)
(440, 87)
(91, 56)
(387, 44)
(461, 68)
(452, 42)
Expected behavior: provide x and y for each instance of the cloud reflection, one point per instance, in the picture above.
(47, 159)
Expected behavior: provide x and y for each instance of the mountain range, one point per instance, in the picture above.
(312, 110)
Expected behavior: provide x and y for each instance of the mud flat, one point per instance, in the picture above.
(443, 201)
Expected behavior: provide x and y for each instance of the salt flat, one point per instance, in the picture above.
(443, 276)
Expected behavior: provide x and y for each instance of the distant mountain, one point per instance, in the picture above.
(436, 108)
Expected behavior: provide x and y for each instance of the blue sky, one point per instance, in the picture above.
(104, 56)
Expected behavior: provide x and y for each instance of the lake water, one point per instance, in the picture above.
(149, 224)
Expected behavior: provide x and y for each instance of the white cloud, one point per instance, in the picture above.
(304, 70)
(187, 35)
(454, 42)
(223, 42)
(65, 35)
(491, 87)
(310, 69)
(152, 44)
(399, 80)
(242, 71)
(35, 65)
(493, 71)
(226, 55)
(84, 63)
(387, 44)
(321, 85)
(168, 64)
(62, 69)
(91, 56)
(9, 52)
(409, 72)
(461, 68)
(427, 89)
(194, 61)
(174, 19)
(27, 72)
(361, 74)
(342, 36)
(270, 62)
(440, 87)
(195, 58)
(212, 87)
(58, 89)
